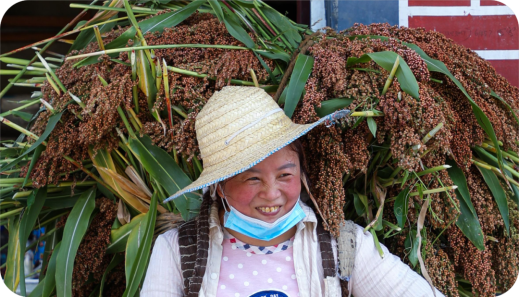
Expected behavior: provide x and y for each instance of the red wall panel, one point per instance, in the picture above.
(475, 32)
(491, 3)
(439, 3)
(508, 69)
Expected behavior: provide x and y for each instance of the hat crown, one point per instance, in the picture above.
(234, 118)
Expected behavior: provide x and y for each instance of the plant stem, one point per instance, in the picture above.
(391, 76)
(97, 7)
(10, 213)
(366, 114)
(169, 46)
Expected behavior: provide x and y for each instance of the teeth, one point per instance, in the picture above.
(268, 209)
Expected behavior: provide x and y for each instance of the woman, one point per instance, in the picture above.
(254, 235)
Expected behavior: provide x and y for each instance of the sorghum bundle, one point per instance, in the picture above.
(399, 150)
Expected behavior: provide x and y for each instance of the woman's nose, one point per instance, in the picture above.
(271, 192)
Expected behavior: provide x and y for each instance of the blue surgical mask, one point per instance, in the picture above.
(259, 229)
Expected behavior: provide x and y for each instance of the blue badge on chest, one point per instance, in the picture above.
(269, 293)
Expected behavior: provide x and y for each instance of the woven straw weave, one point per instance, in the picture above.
(229, 111)
(346, 249)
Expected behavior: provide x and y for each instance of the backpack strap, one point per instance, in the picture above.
(327, 256)
(193, 247)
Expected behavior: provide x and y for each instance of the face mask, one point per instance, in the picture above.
(259, 229)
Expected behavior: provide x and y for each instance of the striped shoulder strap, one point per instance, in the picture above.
(193, 247)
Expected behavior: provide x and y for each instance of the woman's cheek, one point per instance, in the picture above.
(293, 188)
(244, 195)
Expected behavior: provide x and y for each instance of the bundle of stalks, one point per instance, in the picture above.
(427, 160)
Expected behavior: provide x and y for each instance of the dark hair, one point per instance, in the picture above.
(297, 147)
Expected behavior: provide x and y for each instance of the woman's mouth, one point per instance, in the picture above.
(269, 210)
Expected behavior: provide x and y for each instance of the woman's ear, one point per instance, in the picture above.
(219, 190)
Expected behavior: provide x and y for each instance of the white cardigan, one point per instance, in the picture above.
(372, 276)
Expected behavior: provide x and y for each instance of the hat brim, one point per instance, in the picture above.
(233, 167)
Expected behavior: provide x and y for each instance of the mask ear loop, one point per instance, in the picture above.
(304, 180)
(222, 199)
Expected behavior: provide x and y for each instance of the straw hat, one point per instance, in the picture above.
(238, 128)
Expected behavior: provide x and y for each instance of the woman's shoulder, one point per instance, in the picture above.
(168, 239)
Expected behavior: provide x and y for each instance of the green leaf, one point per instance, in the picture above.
(493, 93)
(37, 291)
(9, 152)
(146, 77)
(35, 157)
(116, 260)
(217, 9)
(515, 192)
(386, 60)
(31, 214)
(53, 120)
(75, 228)
(458, 178)
(119, 236)
(469, 224)
(275, 54)
(25, 116)
(498, 194)
(482, 119)
(49, 283)
(401, 207)
(283, 24)
(299, 76)
(12, 270)
(372, 125)
(332, 105)
(153, 24)
(235, 29)
(413, 253)
(163, 168)
(87, 36)
(140, 261)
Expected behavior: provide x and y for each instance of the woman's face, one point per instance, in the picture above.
(268, 190)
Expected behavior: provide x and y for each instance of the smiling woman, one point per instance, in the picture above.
(255, 236)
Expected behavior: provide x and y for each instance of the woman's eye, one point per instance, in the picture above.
(252, 178)
(285, 175)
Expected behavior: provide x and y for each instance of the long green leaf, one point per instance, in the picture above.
(235, 29)
(386, 60)
(217, 9)
(119, 236)
(163, 168)
(75, 228)
(482, 119)
(146, 78)
(26, 225)
(37, 291)
(372, 125)
(498, 194)
(143, 252)
(53, 120)
(153, 24)
(299, 76)
(49, 283)
(24, 115)
(87, 36)
(469, 224)
(12, 270)
(332, 105)
(284, 25)
(493, 93)
(401, 207)
(458, 178)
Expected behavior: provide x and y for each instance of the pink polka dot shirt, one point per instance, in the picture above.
(256, 271)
